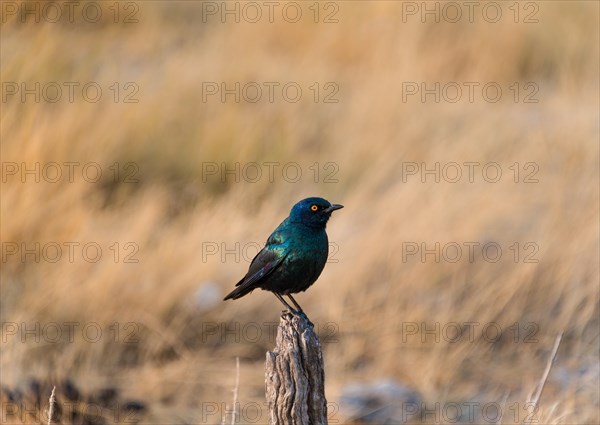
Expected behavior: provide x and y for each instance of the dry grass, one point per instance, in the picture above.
(178, 366)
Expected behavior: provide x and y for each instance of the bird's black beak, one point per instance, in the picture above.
(332, 208)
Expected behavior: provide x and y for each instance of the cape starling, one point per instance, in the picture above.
(294, 255)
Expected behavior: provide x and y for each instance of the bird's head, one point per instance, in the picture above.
(313, 211)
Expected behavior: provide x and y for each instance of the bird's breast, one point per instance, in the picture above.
(307, 258)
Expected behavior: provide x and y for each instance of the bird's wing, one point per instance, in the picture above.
(262, 265)
(267, 259)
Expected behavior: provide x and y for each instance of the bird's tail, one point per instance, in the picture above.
(239, 292)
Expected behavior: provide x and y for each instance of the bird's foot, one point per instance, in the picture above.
(305, 317)
(298, 313)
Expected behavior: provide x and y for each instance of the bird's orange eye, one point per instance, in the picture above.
(314, 208)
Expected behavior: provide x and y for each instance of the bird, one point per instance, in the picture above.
(294, 255)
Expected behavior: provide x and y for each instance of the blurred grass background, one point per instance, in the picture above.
(364, 301)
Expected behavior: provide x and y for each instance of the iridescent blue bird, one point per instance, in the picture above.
(294, 255)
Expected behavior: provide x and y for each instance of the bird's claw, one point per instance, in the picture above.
(305, 317)
(299, 313)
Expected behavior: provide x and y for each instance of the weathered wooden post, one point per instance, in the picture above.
(294, 375)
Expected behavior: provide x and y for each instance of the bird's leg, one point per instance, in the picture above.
(289, 307)
(300, 311)
(296, 304)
